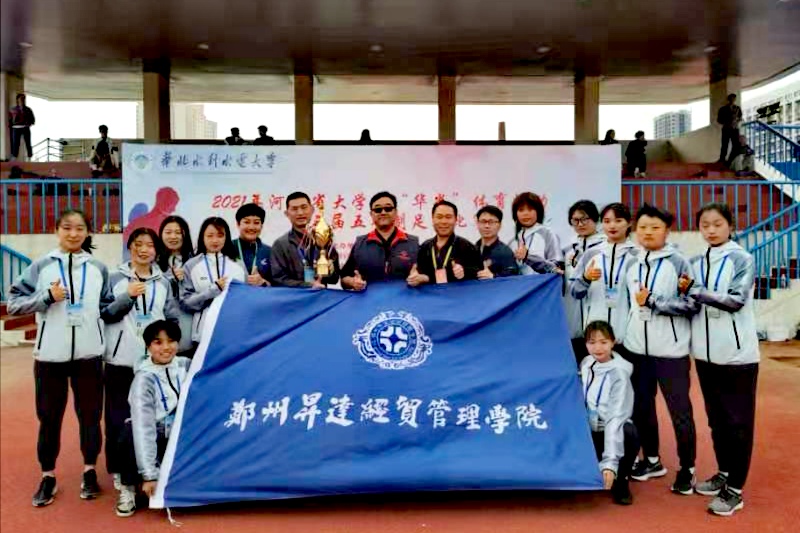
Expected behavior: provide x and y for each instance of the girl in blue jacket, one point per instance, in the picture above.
(725, 350)
(70, 293)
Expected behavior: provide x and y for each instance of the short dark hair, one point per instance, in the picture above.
(262, 128)
(383, 194)
(250, 210)
(620, 211)
(296, 196)
(720, 208)
(732, 96)
(588, 207)
(445, 203)
(639, 133)
(599, 326)
(648, 210)
(172, 330)
(532, 200)
(103, 127)
(492, 210)
(138, 232)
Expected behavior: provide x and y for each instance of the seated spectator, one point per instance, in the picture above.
(234, 139)
(610, 138)
(365, 137)
(744, 162)
(263, 138)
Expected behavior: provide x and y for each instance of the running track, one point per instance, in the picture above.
(772, 494)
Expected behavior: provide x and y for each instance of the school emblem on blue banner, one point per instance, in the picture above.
(298, 393)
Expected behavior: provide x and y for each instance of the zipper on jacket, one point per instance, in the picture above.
(116, 346)
(41, 335)
(100, 331)
(736, 334)
(708, 339)
(72, 301)
(674, 333)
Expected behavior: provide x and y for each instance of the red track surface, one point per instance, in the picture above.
(772, 494)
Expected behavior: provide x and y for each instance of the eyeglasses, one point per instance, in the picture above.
(379, 210)
(488, 222)
(580, 221)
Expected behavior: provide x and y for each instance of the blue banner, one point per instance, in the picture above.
(310, 392)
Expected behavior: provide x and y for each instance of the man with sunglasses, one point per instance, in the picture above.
(384, 254)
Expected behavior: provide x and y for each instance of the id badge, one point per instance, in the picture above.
(611, 297)
(645, 313)
(308, 275)
(75, 315)
(713, 312)
(142, 321)
(441, 275)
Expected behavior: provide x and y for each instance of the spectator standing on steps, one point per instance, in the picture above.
(636, 156)
(263, 138)
(234, 139)
(20, 120)
(729, 117)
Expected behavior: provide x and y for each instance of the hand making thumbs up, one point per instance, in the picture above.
(592, 273)
(58, 292)
(642, 295)
(415, 278)
(458, 270)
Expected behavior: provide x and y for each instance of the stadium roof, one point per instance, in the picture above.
(506, 51)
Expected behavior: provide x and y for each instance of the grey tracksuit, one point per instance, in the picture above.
(544, 250)
(184, 317)
(576, 308)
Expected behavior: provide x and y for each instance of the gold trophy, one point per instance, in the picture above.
(323, 237)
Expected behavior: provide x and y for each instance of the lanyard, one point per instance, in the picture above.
(655, 275)
(619, 271)
(446, 257)
(528, 243)
(208, 267)
(64, 280)
(161, 391)
(241, 254)
(144, 300)
(705, 277)
(599, 391)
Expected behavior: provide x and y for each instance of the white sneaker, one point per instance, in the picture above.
(126, 501)
(117, 481)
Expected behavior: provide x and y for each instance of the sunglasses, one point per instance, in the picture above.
(379, 210)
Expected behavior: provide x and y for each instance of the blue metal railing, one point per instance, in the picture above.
(776, 261)
(31, 206)
(791, 131)
(12, 264)
(774, 148)
(758, 233)
(752, 201)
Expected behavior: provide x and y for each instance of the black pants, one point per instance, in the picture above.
(52, 384)
(672, 376)
(17, 135)
(129, 470)
(631, 449)
(634, 162)
(729, 135)
(729, 392)
(118, 381)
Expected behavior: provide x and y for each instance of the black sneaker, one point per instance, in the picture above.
(621, 492)
(89, 487)
(726, 503)
(684, 482)
(46, 493)
(712, 485)
(644, 470)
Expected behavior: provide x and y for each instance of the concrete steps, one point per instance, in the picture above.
(16, 330)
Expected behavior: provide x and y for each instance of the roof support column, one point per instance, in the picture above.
(10, 86)
(304, 108)
(156, 100)
(447, 109)
(587, 108)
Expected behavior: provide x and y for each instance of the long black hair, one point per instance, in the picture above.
(186, 251)
(228, 249)
(86, 245)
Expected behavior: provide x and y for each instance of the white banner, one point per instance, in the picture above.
(196, 182)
